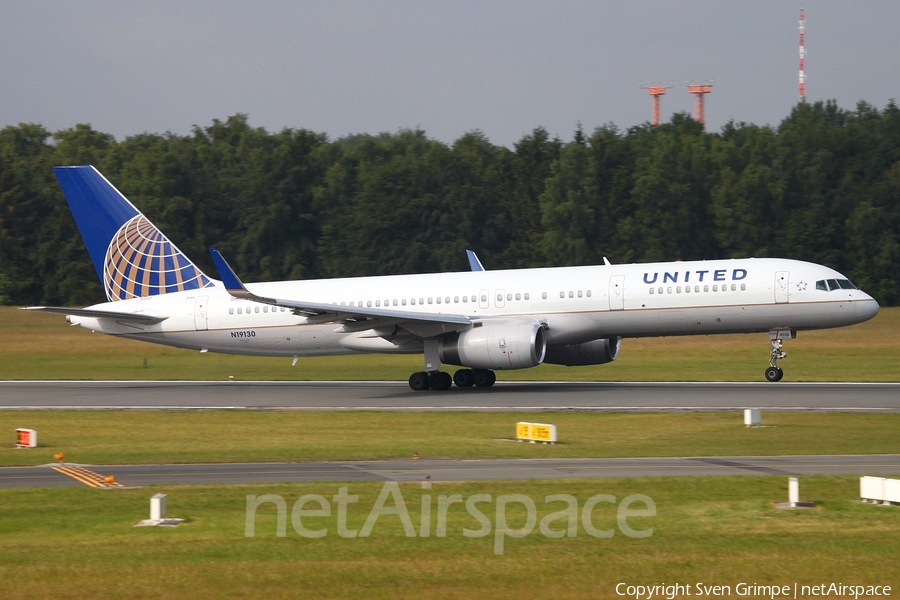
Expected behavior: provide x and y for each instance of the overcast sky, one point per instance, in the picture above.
(448, 67)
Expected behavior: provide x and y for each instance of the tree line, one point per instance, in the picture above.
(822, 186)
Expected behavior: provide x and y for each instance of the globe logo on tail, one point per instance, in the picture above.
(141, 261)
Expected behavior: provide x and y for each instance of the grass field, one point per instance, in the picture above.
(101, 437)
(40, 346)
(79, 543)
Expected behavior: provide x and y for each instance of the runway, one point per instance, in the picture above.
(396, 396)
(408, 470)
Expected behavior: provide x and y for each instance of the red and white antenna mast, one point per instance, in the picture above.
(656, 91)
(802, 57)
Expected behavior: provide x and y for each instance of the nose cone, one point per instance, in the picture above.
(866, 307)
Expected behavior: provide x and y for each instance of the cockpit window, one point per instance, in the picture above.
(829, 285)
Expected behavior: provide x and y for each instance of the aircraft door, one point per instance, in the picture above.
(484, 299)
(617, 292)
(201, 310)
(782, 280)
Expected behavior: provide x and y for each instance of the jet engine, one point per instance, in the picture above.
(511, 345)
(596, 352)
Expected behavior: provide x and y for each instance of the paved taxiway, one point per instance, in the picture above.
(505, 396)
(461, 470)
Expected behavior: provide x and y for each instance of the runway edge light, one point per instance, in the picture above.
(26, 438)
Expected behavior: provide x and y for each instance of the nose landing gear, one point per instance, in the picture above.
(774, 372)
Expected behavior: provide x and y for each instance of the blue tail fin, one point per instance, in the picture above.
(132, 257)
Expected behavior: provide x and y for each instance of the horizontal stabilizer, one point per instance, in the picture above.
(100, 314)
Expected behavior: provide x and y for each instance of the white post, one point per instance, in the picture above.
(793, 491)
(752, 417)
(157, 507)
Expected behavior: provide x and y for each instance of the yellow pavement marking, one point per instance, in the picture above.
(87, 477)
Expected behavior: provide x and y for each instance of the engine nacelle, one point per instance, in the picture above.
(596, 352)
(515, 345)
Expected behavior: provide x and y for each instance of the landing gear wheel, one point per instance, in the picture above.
(440, 380)
(419, 381)
(484, 378)
(774, 372)
(464, 378)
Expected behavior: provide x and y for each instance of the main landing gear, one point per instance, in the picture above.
(441, 380)
(774, 372)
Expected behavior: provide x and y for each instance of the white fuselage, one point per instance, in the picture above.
(578, 304)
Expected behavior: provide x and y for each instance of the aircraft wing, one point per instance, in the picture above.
(424, 324)
(140, 318)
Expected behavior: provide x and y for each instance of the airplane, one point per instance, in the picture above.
(480, 320)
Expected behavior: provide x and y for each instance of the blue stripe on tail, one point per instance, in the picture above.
(132, 257)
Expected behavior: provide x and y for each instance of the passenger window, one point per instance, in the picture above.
(571, 294)
(579, 293)
(403, 302)
(743, 287)
(715, 288)
(669, 290)
(509, 297)
(544, 296)
(687, 289)
(265, 309)
(562, 294)
(705, 288)
(527, 296)
(231, 311)
(660, 290)
(413, 301)
(696, 289)
(369, 304)
(499, 297)
(438, 299)
(378, 303)
(733, 287)
(651, 291)
(465, 298)
(256, 309)
(518, 296)
(430, 300)
(483, 298)
(455, 299)
(589, 293)
(447, 300)
(421, 300)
